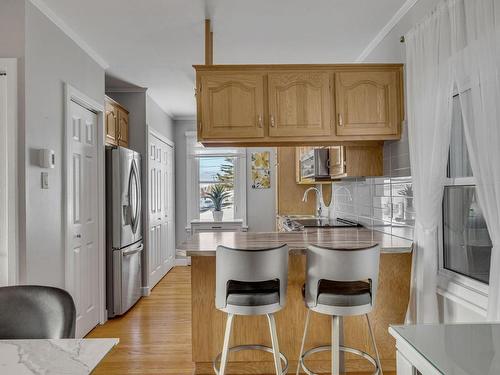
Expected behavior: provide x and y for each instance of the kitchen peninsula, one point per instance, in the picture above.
(208, 323)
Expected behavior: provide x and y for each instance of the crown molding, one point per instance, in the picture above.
(184, 118)
(126, 89)
(49, 13)
(405, 8)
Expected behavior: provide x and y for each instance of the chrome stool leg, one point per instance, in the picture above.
(335, 345)
(379, 364)
(336, 349)
(275, 344)
(225, 348)
(221, 358)
(306, 326)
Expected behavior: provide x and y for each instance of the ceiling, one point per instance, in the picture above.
(154, 43)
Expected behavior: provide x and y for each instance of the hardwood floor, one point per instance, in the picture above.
(155, 335)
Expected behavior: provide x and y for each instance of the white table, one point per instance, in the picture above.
(450, 349)
(53, 357)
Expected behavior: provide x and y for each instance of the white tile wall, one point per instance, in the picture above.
(381, 203)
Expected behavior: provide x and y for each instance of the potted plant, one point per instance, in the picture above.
(218, 194)
(407, 193)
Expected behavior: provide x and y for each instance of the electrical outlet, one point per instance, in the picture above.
(45, 180)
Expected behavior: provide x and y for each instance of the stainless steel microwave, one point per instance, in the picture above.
(323, 163)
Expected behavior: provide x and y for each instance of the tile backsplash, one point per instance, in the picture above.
(381, 203)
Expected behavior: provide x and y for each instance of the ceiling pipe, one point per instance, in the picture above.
(209, 43)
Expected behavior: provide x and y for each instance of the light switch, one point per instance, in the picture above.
(45, 180)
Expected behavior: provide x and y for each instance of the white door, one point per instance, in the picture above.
(4, 260)
(161, 249)
(83, 262)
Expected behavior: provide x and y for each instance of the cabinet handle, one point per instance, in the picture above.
(260, 121)
(272, 121)
(341, 122)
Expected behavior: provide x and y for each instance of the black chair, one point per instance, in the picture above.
(36, 312)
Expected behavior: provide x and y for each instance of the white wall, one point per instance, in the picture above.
(261, 203)
(158, 120)
(180, 129)
(51, 59)
(390, 49)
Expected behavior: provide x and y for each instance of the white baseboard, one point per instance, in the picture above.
(146, 291)
(182, 262)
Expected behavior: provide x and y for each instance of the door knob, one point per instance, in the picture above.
(78, 236)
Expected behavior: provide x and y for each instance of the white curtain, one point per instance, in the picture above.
(429, 99)
(476, 44)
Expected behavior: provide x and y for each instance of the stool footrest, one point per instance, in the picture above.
(344, 349)
(240, 348)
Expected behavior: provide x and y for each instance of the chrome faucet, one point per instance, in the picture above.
(318, 199)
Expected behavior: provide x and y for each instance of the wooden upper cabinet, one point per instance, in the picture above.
(299, 104)
(111, 124)
(122, 127)
(368, 103)
(232, 105)
(116, 124)
(294, 105)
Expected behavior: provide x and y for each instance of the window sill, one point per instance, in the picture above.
(467, 292)
(234, 221)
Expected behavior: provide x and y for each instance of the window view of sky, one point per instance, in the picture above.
(209, 167)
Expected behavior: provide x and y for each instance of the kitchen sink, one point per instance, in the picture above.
(326, 223)
(299, 222)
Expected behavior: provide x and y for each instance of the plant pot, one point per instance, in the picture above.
(218, 215)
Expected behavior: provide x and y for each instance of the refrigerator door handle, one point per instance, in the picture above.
(133, 251)
(139, 194)
(134, 206)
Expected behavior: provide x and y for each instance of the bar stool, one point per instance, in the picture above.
(251, 282)
(340, 282)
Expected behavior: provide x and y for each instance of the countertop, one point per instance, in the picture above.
(453, 349)
(67, 356)
(205, 244)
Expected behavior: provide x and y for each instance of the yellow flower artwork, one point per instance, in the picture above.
(261, 170)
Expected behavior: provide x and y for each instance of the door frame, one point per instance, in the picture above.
(8, 155)
(71, 94)
(146, 289)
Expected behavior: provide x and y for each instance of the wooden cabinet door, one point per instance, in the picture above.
(232, 105)
(299, 104)
(111, 124)
(367, 103)
(122, 128)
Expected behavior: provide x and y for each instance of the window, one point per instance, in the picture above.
(208, 167)
(216, 170)
(466, 243)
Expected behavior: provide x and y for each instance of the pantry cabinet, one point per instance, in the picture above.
(116, 123)
(286, 105)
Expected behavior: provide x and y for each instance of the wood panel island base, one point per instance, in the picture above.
(208, 323)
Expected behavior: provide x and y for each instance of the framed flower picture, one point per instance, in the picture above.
(261, 170)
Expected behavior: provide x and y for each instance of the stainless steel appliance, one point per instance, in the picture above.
(323, 163)
(123, 229)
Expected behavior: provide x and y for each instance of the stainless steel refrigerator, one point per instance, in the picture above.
(123, 230)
